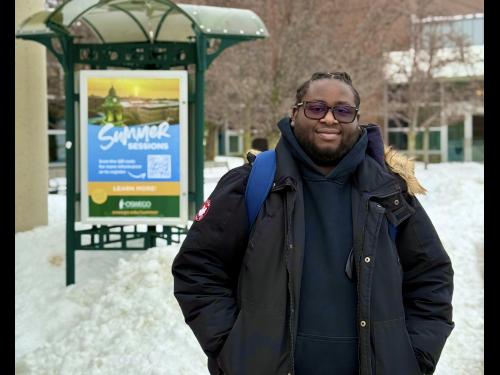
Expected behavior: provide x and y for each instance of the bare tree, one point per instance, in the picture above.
(251, 86)
(419, 95)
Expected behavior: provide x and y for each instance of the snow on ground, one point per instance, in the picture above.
(455, 204)
(213, 173)
(121, 317)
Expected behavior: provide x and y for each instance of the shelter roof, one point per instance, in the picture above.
(122, 21)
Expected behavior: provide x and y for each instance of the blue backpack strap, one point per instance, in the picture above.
(393, 231)
(259, 183)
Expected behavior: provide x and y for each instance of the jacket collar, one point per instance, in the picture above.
(373, 175)
(374, 180)
(287, 170)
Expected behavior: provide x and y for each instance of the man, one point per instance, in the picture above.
(319, 285)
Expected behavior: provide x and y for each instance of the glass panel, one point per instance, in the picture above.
(222, 144)
(467, 30)
(68, 12)
(471, 29)
(434, 140)
(176, 28)
(138, 21)
(456, 141)
(57, 151)
(35, 24)
(226, 21)
(458, 33)
(148, 15)
(478, 31)
(116, 26)
(448, 33)
(398, 140)
(419, 141)
(234, 144)
(124, 21)
(478, 138)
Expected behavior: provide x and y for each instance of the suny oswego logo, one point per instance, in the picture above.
(124, 204)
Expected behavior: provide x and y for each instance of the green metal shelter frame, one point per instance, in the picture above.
(136, 34)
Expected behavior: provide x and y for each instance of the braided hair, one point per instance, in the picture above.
(341, 76)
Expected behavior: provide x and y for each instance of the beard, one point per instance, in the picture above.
(324, 156)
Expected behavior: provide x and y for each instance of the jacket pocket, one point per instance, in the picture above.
(256, 345)
(227, 343)
(393, 350)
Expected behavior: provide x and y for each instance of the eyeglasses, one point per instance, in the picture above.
(317, 110)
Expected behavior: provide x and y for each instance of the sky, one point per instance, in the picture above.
(153, 88)
(120, 317)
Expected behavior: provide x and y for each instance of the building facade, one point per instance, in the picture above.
(438, 86)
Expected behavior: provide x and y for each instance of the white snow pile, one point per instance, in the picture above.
(121, 316)
(455, 204)
(128, 323)
(124, 322)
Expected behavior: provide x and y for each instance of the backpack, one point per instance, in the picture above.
(260, 182)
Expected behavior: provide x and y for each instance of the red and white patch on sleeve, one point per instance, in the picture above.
(203, 210)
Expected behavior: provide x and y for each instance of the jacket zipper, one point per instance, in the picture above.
(358, 272)
(288, 249)
(367, 207)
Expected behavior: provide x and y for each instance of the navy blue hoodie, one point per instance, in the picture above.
(327, 331)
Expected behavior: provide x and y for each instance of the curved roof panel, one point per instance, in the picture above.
(226, 21)
(35, 24)
(115, 21)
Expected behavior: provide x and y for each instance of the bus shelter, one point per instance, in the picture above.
(135, 35)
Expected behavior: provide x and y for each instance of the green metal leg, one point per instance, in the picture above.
(199, 116)
(70, 162)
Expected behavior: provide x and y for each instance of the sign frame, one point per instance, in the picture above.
(182, 75)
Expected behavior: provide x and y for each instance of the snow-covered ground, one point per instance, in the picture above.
(121, 317)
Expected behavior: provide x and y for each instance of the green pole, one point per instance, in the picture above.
(199, 116)
(69, 89)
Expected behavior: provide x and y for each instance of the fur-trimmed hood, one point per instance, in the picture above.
(405, 167)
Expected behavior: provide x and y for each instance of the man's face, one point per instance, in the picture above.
(326, 140)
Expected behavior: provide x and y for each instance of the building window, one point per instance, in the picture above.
(478, 138)
(434, 140)
(57, 151)
(456, 139)
(398, 140)
(234, 144)
(57, 138)
(449, 32)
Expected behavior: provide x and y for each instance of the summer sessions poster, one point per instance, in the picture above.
(133, 128)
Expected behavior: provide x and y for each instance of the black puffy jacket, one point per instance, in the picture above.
(239, 292)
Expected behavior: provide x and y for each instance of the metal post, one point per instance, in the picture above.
(150, 237)
(69, 88)
(201, 47)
